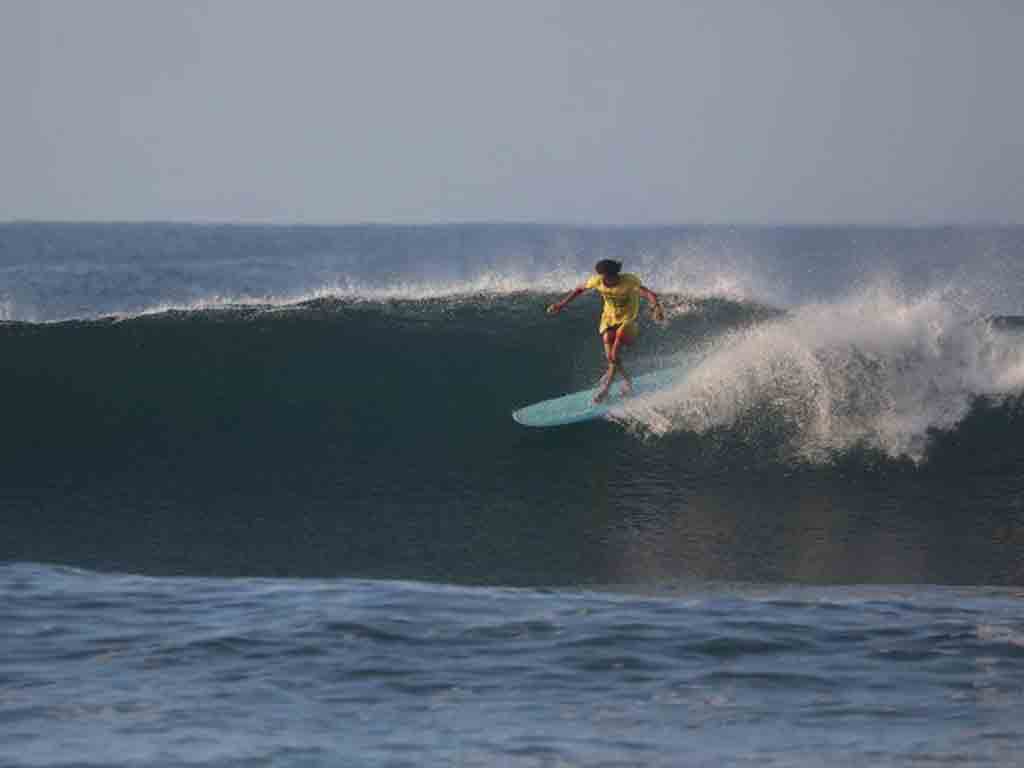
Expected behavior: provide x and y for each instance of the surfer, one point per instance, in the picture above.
(619, 324)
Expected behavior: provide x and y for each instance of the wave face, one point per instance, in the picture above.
(348, 413)
(374, 438)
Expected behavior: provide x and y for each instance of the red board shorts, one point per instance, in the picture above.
(628, 332)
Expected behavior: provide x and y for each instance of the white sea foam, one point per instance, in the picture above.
(877, 368)
(687, 267)
(685, 278)
(357, 292)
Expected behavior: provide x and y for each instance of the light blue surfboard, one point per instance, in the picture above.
(580, 406)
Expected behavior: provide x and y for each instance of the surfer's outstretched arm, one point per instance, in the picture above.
(652, 299)
(558, 306)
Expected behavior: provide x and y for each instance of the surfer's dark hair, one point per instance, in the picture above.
(608, 267)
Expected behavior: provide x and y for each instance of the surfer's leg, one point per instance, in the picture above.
(627, 382)
(605, 384)
(609, 377)
(608, 337)
(623, 338)
(615, 340)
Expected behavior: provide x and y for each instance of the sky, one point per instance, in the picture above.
(583, 111)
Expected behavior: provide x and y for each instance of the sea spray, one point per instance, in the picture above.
(878, 369)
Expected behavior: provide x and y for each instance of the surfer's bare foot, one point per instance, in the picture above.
(627, 389)
(600, 395)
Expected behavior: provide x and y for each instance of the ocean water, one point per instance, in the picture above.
(263, 501)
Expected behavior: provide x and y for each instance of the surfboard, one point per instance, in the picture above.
(580, 406)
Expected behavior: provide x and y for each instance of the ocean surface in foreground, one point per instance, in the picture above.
(112, 670)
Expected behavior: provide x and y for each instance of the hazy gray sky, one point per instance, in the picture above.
(586, 111)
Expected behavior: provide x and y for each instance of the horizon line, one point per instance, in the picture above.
(539, 223)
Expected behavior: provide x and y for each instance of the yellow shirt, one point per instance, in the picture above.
(621, 301)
